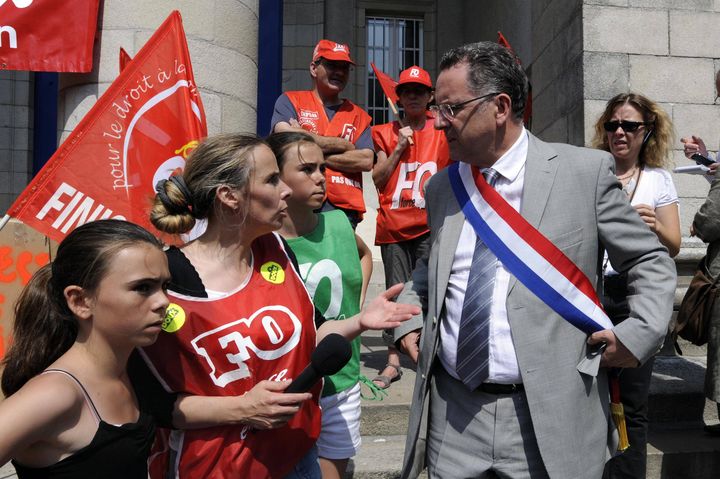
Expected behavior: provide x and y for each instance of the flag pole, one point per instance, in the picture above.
(387, 85)
(4, 221)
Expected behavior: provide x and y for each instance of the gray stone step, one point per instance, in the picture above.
(686, 453)
(672, 454)
(7, 472)
(380, 457)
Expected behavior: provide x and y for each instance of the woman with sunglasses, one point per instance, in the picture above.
(638, 133)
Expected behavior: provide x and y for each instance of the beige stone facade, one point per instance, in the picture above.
(578, 54)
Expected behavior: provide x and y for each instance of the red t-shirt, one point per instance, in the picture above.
(401, 216)
(223, 347)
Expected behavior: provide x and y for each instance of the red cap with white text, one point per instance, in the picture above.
(332, 51)
(414, 74)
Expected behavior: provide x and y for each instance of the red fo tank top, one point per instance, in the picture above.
(223, 347)
(402, 216)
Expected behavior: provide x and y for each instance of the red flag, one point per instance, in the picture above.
(139, 131)
(46, 35)
(125, 58)
(386, 83)
(527, 114)
(503, 41)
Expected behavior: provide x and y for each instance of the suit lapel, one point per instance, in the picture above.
(539, 177)
(540, 173)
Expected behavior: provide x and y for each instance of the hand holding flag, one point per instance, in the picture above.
(388, 87)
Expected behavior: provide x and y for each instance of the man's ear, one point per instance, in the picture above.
(78, 301)
(503, 111)
(313, 69)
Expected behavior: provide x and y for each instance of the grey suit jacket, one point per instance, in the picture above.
(571, 196)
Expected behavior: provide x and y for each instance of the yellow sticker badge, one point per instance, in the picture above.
(174, 318)
(273, 272)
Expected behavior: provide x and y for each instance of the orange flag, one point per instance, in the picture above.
(139, 132)
(527, 116)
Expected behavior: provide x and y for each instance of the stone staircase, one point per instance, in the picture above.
(677, 445)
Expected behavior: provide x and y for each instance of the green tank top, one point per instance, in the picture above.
(330, 268)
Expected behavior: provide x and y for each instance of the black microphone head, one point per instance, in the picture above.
(331, 354)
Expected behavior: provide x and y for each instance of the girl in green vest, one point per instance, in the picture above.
(335, 265)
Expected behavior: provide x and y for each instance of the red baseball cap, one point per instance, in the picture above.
(414, 74)
(330, 50)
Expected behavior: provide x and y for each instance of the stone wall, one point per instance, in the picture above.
(668, 51)
(222, 40)
(557, 69)
(16, 121)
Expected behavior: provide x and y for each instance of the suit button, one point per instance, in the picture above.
(434, 320)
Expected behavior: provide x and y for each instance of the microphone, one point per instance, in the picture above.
(329, 357)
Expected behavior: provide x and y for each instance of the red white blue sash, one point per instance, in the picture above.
(535, 261)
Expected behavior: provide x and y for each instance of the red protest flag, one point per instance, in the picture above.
(47, 36)
(387, 84)
(527, 115)
(503, 41)
(139, 132)
(125, 58)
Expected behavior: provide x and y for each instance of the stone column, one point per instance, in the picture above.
(222, 40)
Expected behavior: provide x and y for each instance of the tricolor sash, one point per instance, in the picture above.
(533, 259)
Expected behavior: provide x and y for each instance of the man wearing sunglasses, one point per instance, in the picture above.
(341, 128)
(506, 386)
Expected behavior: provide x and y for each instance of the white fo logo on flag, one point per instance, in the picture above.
(18, 3)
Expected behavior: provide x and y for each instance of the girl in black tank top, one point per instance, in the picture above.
(116, 451)
(71, 410)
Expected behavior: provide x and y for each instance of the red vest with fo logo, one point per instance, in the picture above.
(344, 190)
(223, 347)
(401, 216)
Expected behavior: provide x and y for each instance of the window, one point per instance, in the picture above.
(394, 44)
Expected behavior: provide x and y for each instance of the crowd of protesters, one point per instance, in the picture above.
(130, 359)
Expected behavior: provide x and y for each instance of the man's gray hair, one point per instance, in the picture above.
(492, 68)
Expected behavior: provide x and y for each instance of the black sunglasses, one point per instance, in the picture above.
(627, 126)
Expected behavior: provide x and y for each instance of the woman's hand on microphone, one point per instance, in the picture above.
(265, 406)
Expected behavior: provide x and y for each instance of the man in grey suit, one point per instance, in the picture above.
(536, 404)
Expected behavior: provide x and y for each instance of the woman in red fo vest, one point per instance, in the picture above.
(400, 174)
(241, 325)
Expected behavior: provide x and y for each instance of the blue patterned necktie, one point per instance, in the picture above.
(473, 336)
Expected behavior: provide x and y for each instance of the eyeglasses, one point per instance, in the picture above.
(449, 111)
(627, 126)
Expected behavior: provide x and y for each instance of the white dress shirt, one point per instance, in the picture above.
(503, 367)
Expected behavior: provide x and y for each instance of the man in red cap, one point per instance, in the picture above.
(400, 175)
(341, 128)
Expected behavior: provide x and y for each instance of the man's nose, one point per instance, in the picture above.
(441, 123)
